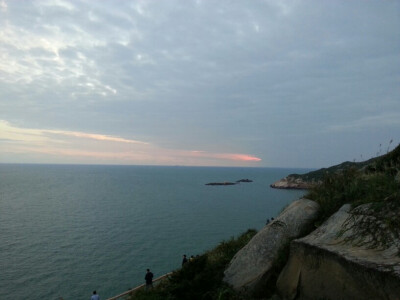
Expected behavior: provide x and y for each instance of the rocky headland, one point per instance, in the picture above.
(292, 183)
(311, 179)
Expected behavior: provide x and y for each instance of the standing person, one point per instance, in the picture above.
(184, 260)
(95, 296)
(149, 279)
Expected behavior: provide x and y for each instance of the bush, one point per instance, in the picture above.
(202, 277)
(377, 185)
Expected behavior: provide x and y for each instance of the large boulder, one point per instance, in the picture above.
(251, 268)
(326, 265)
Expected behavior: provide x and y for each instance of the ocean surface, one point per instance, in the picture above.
(66, 230)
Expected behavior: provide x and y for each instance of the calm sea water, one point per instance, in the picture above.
(66, 230)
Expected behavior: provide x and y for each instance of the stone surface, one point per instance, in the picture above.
(322, 266)
(250, 268)
(292, 183)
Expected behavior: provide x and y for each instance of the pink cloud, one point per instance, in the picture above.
(76, 147)
(100, 137)
(241, 157)
(226, 156)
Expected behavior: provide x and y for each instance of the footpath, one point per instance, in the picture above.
(138, 288)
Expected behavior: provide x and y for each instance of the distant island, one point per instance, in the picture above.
(244, 180)
(229, 182)
(221, 183)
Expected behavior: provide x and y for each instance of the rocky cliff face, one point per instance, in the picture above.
(323, 266)
(292, 183)
(250, 269)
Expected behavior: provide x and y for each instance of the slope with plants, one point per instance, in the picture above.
(201, 278)
(373, 190)
(311, 179)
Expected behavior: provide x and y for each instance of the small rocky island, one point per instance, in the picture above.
(244, 180)
(229, 182)
(221, 183)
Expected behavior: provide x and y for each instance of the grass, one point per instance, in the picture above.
(377, 188)
(202, 277)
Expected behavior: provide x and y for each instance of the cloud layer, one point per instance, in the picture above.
(294, 83)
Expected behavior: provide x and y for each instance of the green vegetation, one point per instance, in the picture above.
(202, 277)
(376, 162)
(320, 174)
(376, 187)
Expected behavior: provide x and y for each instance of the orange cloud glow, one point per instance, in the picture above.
(99, 137)
(226, 156)
(64, 146)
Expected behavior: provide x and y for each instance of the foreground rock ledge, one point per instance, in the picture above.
(322, 266)
(250, 269)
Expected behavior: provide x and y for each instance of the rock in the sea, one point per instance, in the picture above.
(250, 269)
(221, 183)
(323, 266)
(244, 180)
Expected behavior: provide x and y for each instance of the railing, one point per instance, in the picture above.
(134, 290)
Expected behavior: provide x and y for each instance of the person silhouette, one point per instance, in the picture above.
(149, 279)
(184, 260)
(95, 296)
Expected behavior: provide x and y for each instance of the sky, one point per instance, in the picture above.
(305, 84)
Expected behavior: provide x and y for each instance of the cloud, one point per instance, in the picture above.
(30, 135)
(99, 137)
(65, 145)
(3, 6)
(226, 156)
(369, 122)
(202, 74)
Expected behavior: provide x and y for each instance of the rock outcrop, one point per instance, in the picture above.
(221, 183)
(323, 266)
(292, 183)
(244, 180)
(250, 269)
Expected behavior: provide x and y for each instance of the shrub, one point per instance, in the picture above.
(202, 277)
(378, 187)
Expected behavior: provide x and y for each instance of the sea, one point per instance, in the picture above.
(66, 230)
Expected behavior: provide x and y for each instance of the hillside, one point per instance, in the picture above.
(310, 179)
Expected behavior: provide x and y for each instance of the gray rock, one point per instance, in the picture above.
(250, 269)
(322, 266)
(292, 183)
